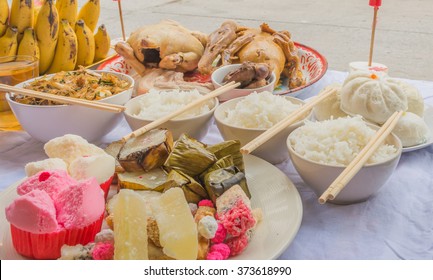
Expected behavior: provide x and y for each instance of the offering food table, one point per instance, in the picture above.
(396, 223)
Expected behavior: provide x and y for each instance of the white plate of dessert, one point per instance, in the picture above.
(271, 191)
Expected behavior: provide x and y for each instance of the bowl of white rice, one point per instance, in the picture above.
(320, 151)
(144, 109)
(245, 118)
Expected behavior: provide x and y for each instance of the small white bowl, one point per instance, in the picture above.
(47, 122)
(195, 127)
(217, 80)
(366, 182)
(274, 150)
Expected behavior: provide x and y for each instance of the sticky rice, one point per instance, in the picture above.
(156, 104)
(260, 110)
(337, 142)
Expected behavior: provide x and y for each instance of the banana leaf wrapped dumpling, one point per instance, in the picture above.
(189, 156)
(229, 147)
(224, 162)
(193, 190)
(218, 181)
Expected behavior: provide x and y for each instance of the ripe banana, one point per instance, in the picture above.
(66, 50)
(21, 15)
(86, 44)
(102, 43)
(46, 29)
(35, 14)
(29, 44)
(90, 13)
(8, 42)
(68, 9)
(4, 16)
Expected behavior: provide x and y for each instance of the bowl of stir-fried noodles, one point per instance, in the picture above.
(45, 120)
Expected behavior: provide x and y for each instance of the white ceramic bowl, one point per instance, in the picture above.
(47, 122)
(366, 182)
(196, 127)
(274, 150)
(219, 74)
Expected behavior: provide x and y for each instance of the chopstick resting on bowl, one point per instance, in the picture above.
(64, 99)
(158, 122)
(358, 162)
(290, 119)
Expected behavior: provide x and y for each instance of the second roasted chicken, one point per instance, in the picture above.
(236, 44)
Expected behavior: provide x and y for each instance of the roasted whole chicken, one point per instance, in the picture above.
(236, 44)
(168, 45)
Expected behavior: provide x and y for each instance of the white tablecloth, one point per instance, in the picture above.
(397, 223)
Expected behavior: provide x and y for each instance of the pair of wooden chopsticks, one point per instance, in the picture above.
(63, 99)
(290, 119)
(158, 122)
(356, 164)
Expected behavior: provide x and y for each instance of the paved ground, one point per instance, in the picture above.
(340, 30)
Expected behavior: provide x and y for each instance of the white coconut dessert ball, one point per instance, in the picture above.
(99, 166)
(412, 130)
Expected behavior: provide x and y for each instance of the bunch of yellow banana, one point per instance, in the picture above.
(42, 32)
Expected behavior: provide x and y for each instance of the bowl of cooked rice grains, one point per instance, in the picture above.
(155, 104)
(321, 150)
(245, 118)
(45, 120)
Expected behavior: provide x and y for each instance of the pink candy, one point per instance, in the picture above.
(237, 244)
(237, 220)
(214, 256)
(220, 234)
(206, 202)
(103, 251)
(221, 248)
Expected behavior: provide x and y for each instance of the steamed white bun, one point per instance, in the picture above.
(373, 95)
(412, 130)
(415, 102)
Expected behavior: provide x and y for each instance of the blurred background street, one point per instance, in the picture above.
(340, 30)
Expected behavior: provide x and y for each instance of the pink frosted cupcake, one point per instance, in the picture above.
(50, 214)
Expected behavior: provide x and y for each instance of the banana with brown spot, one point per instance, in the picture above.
(21, 15)
(4, 16)
(102, 43)
(65, 57)
(8, 42)
(86, 44)
(90, 13)
(47, 31)
(29, 44)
